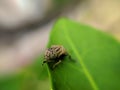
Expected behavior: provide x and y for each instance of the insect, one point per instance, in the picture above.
(55, 54)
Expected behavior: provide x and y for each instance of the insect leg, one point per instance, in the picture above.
(56, 64)
(47, 61)
(44, 62)
(70, 58)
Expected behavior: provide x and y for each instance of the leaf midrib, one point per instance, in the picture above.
(86, 72)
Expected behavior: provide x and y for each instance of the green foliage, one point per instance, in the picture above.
(96, 64)
(33, 77)
(11, 83)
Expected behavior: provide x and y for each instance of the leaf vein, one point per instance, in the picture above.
(86, 72)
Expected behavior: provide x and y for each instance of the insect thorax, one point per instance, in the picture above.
(54, 52)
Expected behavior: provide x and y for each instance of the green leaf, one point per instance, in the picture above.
(96, 55)
(33, 77)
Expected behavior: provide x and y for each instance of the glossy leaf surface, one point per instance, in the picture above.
(96, 58)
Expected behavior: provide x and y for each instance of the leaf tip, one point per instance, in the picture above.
(62, 19)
